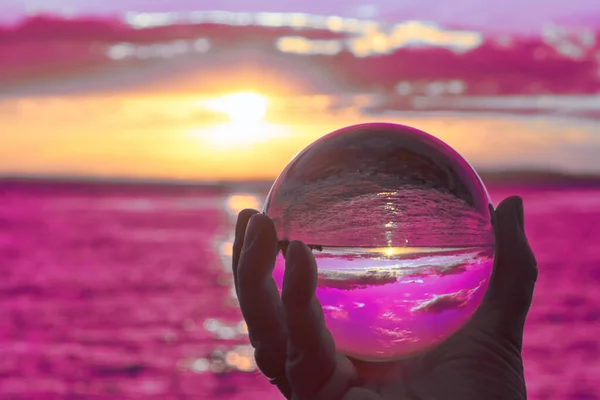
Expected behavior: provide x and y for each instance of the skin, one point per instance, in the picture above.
(294, 349)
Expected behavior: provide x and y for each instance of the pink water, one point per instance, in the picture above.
(385, 304)
(110, 292)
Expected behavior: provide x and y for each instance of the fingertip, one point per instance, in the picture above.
(513, 246)
(242, 223)
(246, 214)
(259, 249)
(510, 210)
(509, 204)
(238, 241)
(258, 224)
(509, 226)
(297, 251)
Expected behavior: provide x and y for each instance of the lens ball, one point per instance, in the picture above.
(400, 226)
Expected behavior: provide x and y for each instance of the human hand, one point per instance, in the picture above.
(296, 351)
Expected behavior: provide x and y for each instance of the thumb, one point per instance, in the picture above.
(510, 293)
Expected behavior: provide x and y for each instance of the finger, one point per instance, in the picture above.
(238, 242)
(511, 288)
(313, 368)
(260, 302)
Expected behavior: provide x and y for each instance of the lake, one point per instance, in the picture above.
(124, 292)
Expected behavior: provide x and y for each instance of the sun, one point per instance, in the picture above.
(247, 127)
(241, 108)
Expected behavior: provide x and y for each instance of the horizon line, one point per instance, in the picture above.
(497, 176)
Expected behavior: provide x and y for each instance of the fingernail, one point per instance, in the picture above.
(290, 251)
(239, 232)
(520, 214)
(252, 231)
(295, 253)
(242, 223)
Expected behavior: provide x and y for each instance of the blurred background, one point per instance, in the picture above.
(132, 132)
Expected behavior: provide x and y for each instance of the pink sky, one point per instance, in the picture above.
(509, 15)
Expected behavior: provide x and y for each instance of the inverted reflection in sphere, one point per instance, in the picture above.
(400, 227)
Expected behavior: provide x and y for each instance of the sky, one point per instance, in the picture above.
(144, 124)
(239, 137)
(507, 15)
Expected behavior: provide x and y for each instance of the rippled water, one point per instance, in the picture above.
(112, 292)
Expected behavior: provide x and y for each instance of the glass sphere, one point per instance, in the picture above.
(400, 226)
